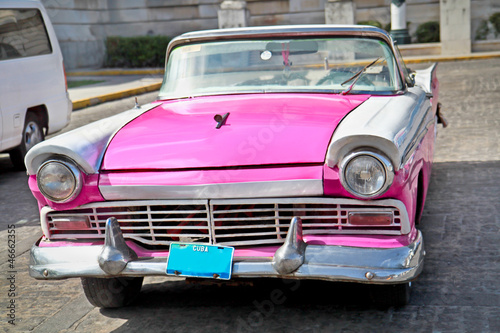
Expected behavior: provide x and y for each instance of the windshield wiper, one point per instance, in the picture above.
(357, 76)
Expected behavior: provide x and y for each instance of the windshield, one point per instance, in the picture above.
(292, 65)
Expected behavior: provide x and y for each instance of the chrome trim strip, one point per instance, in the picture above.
(85, 145)
(302, 187)
(43, 220)
(332, 263)
(422, 131)
(279, 91)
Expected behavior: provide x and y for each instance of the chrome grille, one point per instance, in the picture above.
(238, 222)
(266, 221)
(150, 223)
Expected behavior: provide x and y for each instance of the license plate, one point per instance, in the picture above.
(200, 260)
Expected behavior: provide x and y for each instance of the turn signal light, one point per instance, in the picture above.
(71, 223)
(370, 219)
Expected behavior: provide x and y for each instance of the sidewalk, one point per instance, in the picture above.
(116, 84)
(121, 83)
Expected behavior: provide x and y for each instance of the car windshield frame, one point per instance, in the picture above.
(274, 64)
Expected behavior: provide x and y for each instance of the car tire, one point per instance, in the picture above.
(111, 292)
(391, 295)
(32, 134)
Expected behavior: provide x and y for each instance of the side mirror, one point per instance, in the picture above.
(410, 79)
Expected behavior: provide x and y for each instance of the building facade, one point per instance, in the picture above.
(82, 26)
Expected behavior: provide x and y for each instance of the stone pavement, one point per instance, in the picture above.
(459, 290)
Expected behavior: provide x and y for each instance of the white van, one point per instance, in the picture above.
(34, 100)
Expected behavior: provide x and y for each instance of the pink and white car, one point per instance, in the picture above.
(296, 152)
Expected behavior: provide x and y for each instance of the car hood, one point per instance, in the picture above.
(268, 129)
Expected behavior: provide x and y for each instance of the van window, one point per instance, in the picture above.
(22, 34)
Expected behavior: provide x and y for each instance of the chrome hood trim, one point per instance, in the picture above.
(85, 145)
(266, 189)
(393, 125)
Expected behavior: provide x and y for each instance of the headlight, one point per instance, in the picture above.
(366, 174)
(59, 181)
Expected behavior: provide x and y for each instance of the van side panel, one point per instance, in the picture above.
(31, 68)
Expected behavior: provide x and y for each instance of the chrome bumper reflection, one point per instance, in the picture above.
(295, 260)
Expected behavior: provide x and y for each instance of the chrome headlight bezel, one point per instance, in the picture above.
(76, 179)
(386, 166)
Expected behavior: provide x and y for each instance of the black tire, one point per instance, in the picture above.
(32, 134)
(391, 295)
(111, 292)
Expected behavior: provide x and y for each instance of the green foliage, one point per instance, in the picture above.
(136, 52)
(428, 32)
(495, 21)
(371, 22)
(482, 31)
(489, 27)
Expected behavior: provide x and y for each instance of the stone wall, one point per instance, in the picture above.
(481, 10)
(83, 25)
(417, 12)
(275, 12)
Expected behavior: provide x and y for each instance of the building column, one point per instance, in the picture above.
(340, 12)
(455, 26)
(233, 14)
(399, 30)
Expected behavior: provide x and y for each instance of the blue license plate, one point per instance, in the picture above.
(200, 260)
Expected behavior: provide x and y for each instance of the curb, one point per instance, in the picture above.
(112, 72)
(86, 102)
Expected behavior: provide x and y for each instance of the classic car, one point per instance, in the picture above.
(293, 152)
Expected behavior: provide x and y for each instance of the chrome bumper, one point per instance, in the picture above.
(294, 260)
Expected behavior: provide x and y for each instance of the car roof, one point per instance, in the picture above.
(280, 31)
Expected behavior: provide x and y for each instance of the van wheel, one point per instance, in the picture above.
(111, 292)
(391, 295)
(32, 134)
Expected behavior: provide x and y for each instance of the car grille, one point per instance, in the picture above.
(238, 222)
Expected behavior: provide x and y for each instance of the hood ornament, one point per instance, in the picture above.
(221, 120)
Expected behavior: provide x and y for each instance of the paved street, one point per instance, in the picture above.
(459, 290)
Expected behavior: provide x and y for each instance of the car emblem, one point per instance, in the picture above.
(221, 120)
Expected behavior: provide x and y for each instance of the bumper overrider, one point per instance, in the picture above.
(293, 260)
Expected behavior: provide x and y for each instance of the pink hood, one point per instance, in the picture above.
(260, 130)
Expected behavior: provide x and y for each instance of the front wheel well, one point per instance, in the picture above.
(40, 111)
(420, 198)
